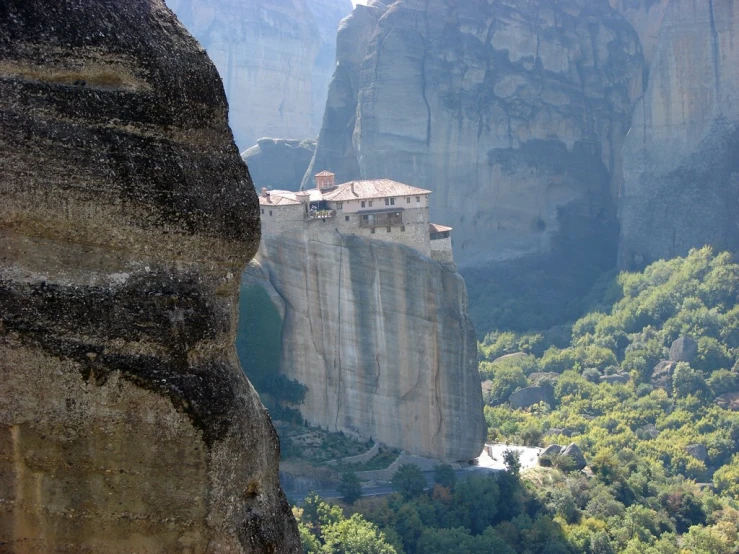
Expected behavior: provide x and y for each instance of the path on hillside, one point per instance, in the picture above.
(485, 466)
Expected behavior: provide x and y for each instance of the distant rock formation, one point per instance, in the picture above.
(276, 59)
(513, 114)
(662, 375)
(683, 349)
(681, 158)
(335, 149)
(529, 396)
(279, 163)
(126, 423)
(728, 401)
(381, 337)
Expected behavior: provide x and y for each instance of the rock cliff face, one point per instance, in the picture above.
(335, 149)
(279, 163)
(276, 58)
(681, 158)
(512, 113)
(646, 18)
(381, 337)
(126, 423)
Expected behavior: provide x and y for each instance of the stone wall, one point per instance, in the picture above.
(441, 250)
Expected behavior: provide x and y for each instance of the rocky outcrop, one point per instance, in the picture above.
(615, 379)
(681, 168)
(728, 401)
(662, 375)
(276, 59)
(697, 451)
(513, 114)
(529, 396)
(683, 349)
(381, 337)
(574, 452)
(126, 423)
(279, 163)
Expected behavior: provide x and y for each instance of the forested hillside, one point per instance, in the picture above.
(643, 384)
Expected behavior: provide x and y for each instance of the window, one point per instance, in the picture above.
(339, 205)
(418, 198)
(402, 227)
(370, 203)
(390, 201)
(407, 199)
(389, 229)
(346, 218)
(372, 230)
(363, 203)
(270, 212)
(262, 211)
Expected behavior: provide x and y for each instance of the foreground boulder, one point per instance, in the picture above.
(126, 423)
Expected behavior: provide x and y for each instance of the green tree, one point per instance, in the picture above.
(350, 487)
(355, 536)
(512, 461)
(444, 475)
(408, 481)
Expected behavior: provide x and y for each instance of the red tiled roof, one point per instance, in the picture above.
(373, 188)
(436, 228)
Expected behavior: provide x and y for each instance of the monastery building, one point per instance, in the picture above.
(378, 209)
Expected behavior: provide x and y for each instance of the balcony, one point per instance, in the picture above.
(320, 214)
(381, 219)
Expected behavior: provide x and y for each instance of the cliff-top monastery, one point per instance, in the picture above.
(378, 209)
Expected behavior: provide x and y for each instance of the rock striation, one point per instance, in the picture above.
(646, 17)
(126, 423)
(381, 337)
(681, 167)
(279, 163)
(514, 114)
(276, 59)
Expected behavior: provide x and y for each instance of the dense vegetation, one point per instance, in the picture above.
(663, 472)
(640, 439)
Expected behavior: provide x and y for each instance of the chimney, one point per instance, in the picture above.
(264, 191)
(353, 192)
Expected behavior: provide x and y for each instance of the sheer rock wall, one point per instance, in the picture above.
(381, 337)
(681, 158)
(126, 423)
(513, 113)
